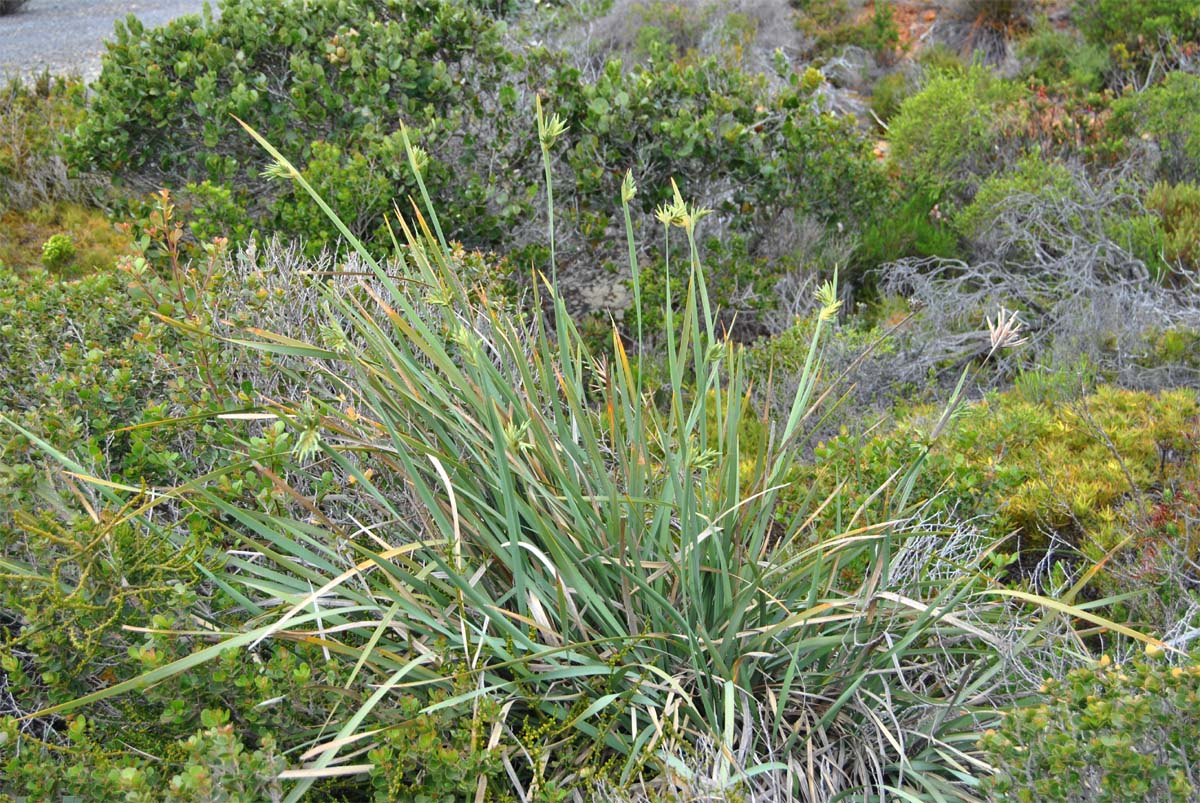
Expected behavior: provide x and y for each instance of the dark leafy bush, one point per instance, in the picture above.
(10, 6)
(1109, 733)
(763, 160)
(747, 152)
(331, 81)
(333, 90)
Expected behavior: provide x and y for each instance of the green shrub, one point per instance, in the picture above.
(58, 251)
(1178, 207)
(1052, 56)
(703, 124)
(1165, 236)
(1104, 734)
(212, 764)
(743, 284)
(435, 756)
(947, 134)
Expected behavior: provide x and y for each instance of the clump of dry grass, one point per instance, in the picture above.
(984, 29)
(98, 242)
(34, 116)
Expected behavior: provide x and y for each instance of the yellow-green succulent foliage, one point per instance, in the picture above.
(1086, 471)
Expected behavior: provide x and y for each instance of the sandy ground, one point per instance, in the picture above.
(68, 35)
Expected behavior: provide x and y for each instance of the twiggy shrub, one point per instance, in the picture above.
(1032, 176)
(1069, 260)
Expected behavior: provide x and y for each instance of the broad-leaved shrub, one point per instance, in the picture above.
(1110, 733)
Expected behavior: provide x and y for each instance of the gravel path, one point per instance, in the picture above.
(68, 35)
